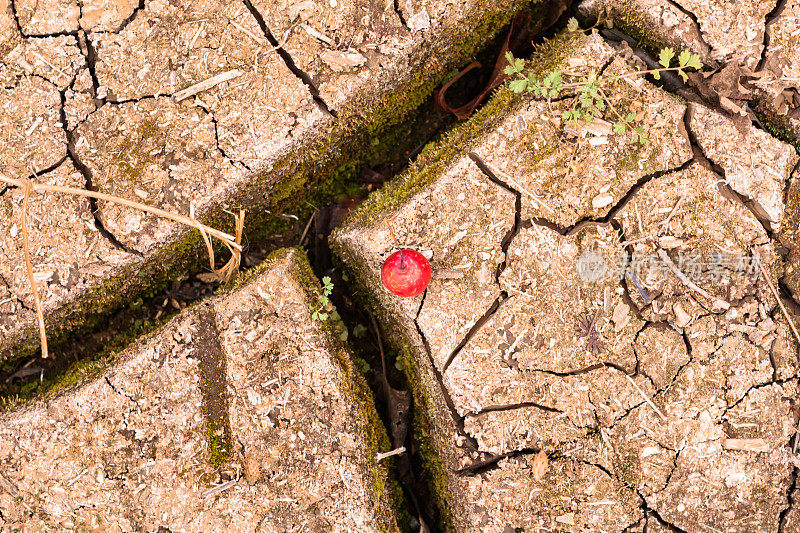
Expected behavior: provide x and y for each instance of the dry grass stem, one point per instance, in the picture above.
(646, 398)
(29, 267)
(224, 274)
(219, 488)
(780, 303)
(207, 84)
(689, 283)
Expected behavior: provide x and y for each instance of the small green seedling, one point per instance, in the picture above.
(325, 310)
(324, 305)
(591, 100)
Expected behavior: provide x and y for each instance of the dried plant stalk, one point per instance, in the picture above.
(224, 274)
(26, 249)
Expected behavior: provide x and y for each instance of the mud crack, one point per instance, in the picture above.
(458, 421)
(504, 246)
(771, 17)
(783, 517)
(707, 47)
(86, 172)
(289, 61)
(117, 391)
(399, 12)
(726, 189)
(17, 22)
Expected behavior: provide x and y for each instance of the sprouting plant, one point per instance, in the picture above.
(325, 311)
(324, 306)
(591, 100)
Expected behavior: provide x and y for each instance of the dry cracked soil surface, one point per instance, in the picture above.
(608, 342)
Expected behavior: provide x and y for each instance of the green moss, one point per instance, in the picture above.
(220, 445)
(777, 125)
(628, 19)
(324, 162)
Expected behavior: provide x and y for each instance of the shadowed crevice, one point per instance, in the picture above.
(220, 149)
(399, 12)
(492, 463)
(771, 17)
(506, 242)
(783, 517)
(15, 13)
(130, 18)
(617, 207)
(86, 46)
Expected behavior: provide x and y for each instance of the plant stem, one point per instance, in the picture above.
(230, 240)
(29, 267)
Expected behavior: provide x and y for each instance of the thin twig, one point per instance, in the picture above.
(780, 304)
(689, 283)
(796, 436)
(29, 266)
(665, 223)
(381, 456)
(308, 226)
(230, 239)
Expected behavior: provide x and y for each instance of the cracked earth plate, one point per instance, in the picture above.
(241, 413)
(195, 108)
(600, 338)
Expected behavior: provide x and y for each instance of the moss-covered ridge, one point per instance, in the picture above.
(314, 163)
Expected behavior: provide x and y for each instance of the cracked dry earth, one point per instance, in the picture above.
(603, 305)
(129, 450)
(199, 107)
(609, 313)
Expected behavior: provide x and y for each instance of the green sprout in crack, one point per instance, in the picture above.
(324, 306)
(325, 310)
(591, 101)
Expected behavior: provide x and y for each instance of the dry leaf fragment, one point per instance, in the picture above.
(539, 465)
(621, 316)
